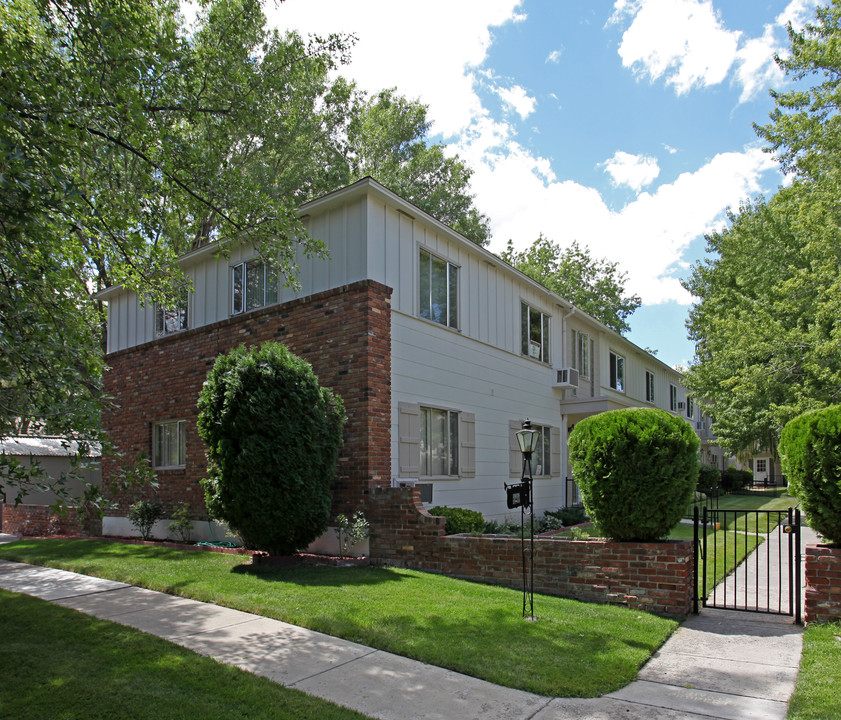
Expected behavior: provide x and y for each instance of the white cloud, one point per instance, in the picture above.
(635, 171)
(517, 99)
(756, 70)
(798, 13)
(554, 56)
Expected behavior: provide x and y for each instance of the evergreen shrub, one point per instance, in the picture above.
(143, 515)
(708, 477)
(273, 437)
(637, 469)
(733, 479)
(459, 520)
(810, 451)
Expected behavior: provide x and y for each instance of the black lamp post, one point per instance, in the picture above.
(527, 438)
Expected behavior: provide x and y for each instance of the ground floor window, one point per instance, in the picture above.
(438, 442)
(169, 444)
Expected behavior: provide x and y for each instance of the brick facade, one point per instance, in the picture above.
(655, 577)
(345, 334)
(823, 584)
(39, 521)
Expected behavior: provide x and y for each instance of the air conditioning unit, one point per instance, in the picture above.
(681, 405)
(399, 482)
(565, 378)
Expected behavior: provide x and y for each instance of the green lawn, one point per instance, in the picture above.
(816, 696)
(574, 649)
(59, 664)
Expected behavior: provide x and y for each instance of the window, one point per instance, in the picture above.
(438, 284)
(617, 372)
(170, 320)
(438, 442)
(535, 333)
(761, 465)
(672, 398)
(649, 386)
(581, 353)
(690, 407)
(169, 444)
(541, 460)
(546, 460)
(254, 284)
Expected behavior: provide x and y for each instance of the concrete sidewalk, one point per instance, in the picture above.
(719, 664)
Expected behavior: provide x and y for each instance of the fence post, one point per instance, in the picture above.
(696, 558)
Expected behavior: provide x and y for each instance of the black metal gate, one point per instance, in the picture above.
(748, 560)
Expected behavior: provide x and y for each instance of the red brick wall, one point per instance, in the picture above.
(823, 584)
(39, 521)
(655, 577)
(345, 334)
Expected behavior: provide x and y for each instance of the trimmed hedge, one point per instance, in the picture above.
(733, 479)
(459, 520)
(810, 451)
(708, 476)
(637, 469)
(273, 436)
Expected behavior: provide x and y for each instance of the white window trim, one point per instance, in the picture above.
(515, 456)
(545, 327)
(615, 371)
(653, 398)
(457, 269)
(243, 268)
(182, 433)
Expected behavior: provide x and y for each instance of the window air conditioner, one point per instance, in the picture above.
(399, 482)
(565, 378)
(681, 405)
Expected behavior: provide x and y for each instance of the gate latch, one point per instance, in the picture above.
(788, 529)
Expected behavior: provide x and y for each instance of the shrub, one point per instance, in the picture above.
(733, 479)
(570, 515)
(708, 477)
(810, 451)
(636, 469)
(182, 524)
(460, 520)
(143, 515)
(273, 436)
(351, 530)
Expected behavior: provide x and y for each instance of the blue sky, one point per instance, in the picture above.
(623, 124)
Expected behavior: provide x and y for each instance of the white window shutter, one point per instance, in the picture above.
(467, 441)
(515, 457)
(555, 451)
(408, 430)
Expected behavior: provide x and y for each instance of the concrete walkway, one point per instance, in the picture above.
(719, 664)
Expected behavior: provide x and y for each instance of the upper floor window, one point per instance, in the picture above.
(438, 442)
(170, 320)
(169, 444)
(649, 386)
(254, 284)
(535, 333)
(617, 372)
(438, 282)
(761, 465)
(690, 407)
(672, 398)
(581, 353)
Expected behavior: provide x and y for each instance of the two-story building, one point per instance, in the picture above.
(439, 349)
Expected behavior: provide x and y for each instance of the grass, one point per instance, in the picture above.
(62, 665)
(574, 650)
(819, 680)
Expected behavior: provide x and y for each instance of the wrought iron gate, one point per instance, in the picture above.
(759, 553)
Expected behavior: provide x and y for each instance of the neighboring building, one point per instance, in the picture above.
(439, 349)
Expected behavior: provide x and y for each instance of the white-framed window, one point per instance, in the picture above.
(438, 295)
(673, 398)
(546, 460)
(581, 353)
(761, 465)
(690, 407)
(253, 285)
(534, 333)
(649, 386)
(435, 442)
(170, 320)
(617, 372)
(169, 444)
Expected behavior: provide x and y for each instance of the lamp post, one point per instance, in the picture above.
(527, 438)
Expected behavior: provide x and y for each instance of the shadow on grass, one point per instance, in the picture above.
(324, 576)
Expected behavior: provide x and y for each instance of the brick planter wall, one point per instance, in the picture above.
(655, 577)
(823, 584)
(345, 334)
(39, 521)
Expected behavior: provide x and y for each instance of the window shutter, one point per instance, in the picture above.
(515, 457)
(467, 441)
(555, 450)
(408, 430)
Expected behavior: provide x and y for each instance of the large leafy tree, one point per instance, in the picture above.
(594, 285)
(768, 340)
(387, 140)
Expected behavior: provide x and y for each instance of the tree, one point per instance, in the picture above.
(768, 340)
(386, 141)
(595, 286)
(273, 436)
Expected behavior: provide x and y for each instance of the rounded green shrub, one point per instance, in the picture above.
(636, 469)
(459, 520)
(733, 479)
(708, 476)
(810, 452)
(273, 436)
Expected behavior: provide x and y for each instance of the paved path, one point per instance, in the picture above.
(719, 664)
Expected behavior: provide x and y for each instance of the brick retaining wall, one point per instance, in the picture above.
(39, 521)
(655, 577)
(823, 584)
